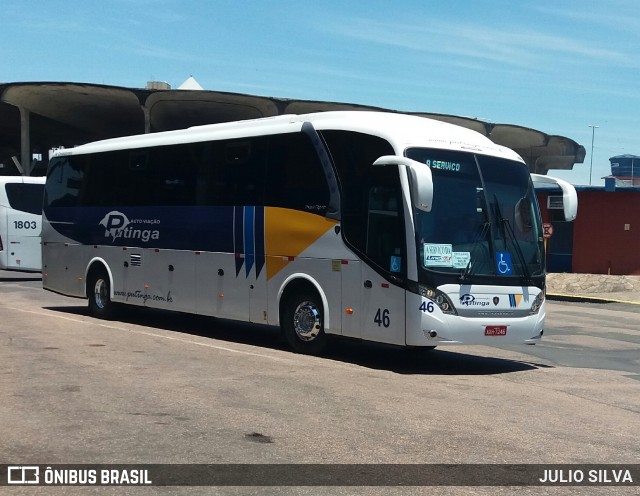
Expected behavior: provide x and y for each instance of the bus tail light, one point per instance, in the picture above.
(443, 302)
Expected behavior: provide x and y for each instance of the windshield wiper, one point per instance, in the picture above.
(481, 236)
(508, 230)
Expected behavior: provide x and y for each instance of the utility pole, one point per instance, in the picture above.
(593, 135)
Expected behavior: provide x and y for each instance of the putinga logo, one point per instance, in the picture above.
(471, 301)
(117, 225)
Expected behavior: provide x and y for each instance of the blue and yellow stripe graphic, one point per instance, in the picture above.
(514, 300)
(273, 237)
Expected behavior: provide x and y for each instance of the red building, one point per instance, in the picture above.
(605, 237)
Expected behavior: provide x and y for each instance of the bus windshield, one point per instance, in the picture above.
(485, 219)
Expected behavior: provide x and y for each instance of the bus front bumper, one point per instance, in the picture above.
(436, 328)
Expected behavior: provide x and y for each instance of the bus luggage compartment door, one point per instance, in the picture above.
(172, 279)
(221, 290)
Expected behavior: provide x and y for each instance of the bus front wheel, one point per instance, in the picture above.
(99, 294)
(303, 324)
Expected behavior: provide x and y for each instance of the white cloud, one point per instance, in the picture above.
(620, 16)
(513, 47)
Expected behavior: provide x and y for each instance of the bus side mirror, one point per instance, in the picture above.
(420, 180)
(569, 195)
(421, 186)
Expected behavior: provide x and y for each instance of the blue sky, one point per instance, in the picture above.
(557, 66)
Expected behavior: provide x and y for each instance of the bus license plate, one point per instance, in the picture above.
(495, 331)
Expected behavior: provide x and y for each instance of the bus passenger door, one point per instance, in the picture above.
(383, 309)
(385, 249)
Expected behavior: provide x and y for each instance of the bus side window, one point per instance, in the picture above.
(109, 180)
(211, 187)
(295, 178)
(140, 188)
(244, 171)
(175, 174)
(353, 155)
(65, 177)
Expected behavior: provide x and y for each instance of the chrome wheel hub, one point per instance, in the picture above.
(100, 294)
(306, 321)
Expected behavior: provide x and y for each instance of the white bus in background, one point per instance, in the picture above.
(377, 226)
(21, 222)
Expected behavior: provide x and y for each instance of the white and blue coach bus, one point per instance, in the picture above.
(21, 223)
(378, 226)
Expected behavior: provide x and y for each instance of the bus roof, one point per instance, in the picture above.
(405, 131)
(402, 130)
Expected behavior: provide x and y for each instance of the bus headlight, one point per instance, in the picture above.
(439, 298)
(537, 303)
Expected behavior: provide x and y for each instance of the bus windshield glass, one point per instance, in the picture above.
(485, 219)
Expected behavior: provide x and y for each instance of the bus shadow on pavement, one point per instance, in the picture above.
(445, 361)
(21, 279)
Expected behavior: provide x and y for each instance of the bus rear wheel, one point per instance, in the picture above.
(303, 324)
(99, 294)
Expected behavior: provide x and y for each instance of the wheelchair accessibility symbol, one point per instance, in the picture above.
(396, 264)
(503, 263)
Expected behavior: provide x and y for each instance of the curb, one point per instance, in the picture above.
(587, 299)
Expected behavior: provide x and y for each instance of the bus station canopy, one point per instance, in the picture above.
(38, 116)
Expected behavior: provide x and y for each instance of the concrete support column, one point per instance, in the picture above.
(147, 119)
(25, 140)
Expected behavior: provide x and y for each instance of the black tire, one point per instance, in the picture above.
(99, 295)
(303, 323)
